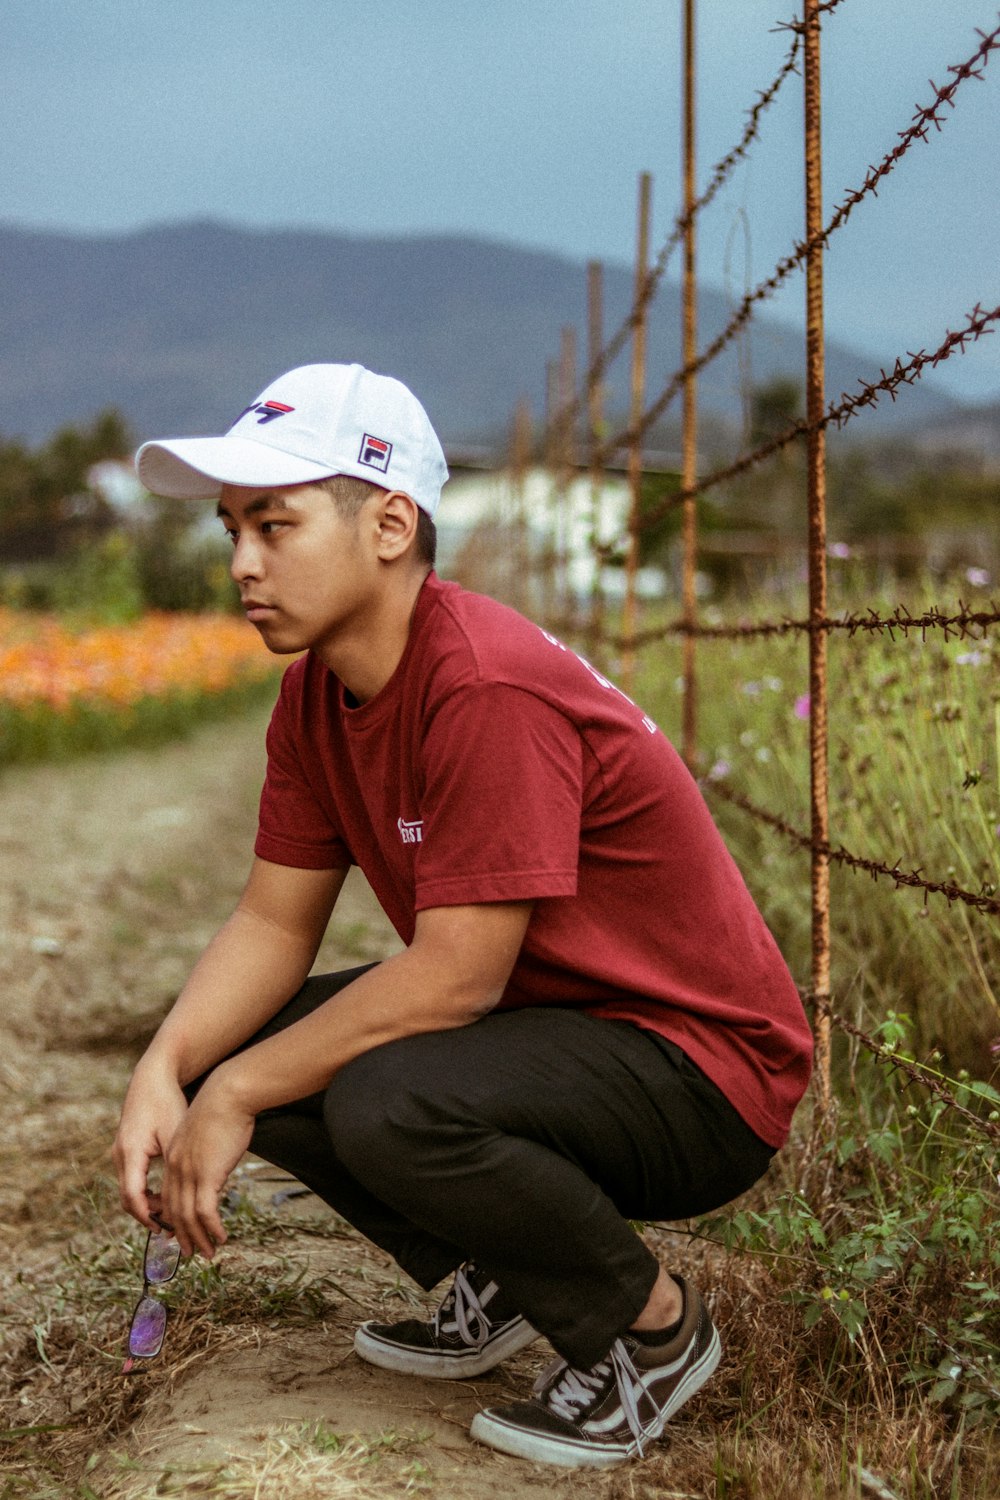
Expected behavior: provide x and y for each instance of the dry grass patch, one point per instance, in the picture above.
(298, 1463)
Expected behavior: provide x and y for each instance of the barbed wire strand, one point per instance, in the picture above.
(965, 624)
(839, 413)
(718, 177)
(911, 1068)
(919, 129)
(980, 901)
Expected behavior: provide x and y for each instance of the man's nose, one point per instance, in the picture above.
(246, 561)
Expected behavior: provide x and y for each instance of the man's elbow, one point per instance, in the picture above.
(483, 1000)
(464, 1001)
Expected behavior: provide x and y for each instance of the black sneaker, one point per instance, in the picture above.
(461, 1340)
(605, 1415)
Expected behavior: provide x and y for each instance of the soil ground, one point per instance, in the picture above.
(115, 871)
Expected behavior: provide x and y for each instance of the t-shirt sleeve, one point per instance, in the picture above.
(294, 828)
(502, 798)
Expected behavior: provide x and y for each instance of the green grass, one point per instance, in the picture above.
(41, 733)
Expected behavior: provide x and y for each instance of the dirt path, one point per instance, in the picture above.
(115, 871)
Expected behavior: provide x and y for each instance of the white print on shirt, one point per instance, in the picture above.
(411, 833)
(605, 682)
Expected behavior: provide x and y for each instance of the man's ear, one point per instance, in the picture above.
(396, 522)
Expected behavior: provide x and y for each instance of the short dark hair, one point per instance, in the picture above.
(350, 494)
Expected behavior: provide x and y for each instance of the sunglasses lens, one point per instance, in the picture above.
(162, 1257)
(149, 1323)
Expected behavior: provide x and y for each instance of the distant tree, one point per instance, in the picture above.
(39, 491)
(773, 408)
(18, 477)
(770, 496)
(661, 521)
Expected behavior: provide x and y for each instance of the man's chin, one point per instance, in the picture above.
(278, 642)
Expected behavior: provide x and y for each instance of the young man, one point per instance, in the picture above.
(589, 1022)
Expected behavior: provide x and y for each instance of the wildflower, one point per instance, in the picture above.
(752, 689)
(773, 684)
(763, 754)
(721, 769)
(803, 706)
(114, 667)
(978, 577)
(839, 549)
(972, 658)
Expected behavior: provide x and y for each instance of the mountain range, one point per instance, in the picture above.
(178, 326)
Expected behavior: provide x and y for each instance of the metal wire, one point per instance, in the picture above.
(963, 623)
(913, 1071)
(925, 117)
(981, 900)
(718, 177)
(903, 372)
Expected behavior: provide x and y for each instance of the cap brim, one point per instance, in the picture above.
(197, 468)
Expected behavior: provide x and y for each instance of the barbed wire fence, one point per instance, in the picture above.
(575, 402)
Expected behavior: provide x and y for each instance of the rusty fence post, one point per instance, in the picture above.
(567, 470)
(521, 445)
(595, 425)
(818, 641)
(689, 440)
(548, 558)
(635, 442)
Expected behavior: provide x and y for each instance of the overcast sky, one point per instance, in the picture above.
(523, 120)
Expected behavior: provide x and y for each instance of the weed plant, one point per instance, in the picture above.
(884, 1239)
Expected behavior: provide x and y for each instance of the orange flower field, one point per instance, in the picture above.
(62, 689)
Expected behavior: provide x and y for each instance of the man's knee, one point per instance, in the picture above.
(384, 1115)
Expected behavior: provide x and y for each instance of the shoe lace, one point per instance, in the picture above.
(571, 1393)
(462, 1310)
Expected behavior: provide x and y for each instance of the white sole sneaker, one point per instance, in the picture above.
(387, 1347)
(605, 1415)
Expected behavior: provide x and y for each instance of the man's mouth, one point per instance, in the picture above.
(256, 609)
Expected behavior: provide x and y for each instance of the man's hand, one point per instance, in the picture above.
(154, 1108)
(254, 963)
(204, 1150)
(454, 971)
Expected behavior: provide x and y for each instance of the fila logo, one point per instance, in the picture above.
(268, 409)
(411, 833)
(375, 452)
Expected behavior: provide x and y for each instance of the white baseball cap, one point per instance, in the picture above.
(316, 421)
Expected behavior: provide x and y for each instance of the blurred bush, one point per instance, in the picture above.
(79, 536)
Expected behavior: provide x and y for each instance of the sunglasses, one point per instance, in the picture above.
(149, 1321)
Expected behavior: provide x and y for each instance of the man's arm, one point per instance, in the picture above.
(455, 970)
(254, 964)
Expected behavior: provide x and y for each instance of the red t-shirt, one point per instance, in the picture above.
(497, 765)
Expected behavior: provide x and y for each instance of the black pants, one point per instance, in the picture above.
(524, 1141)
